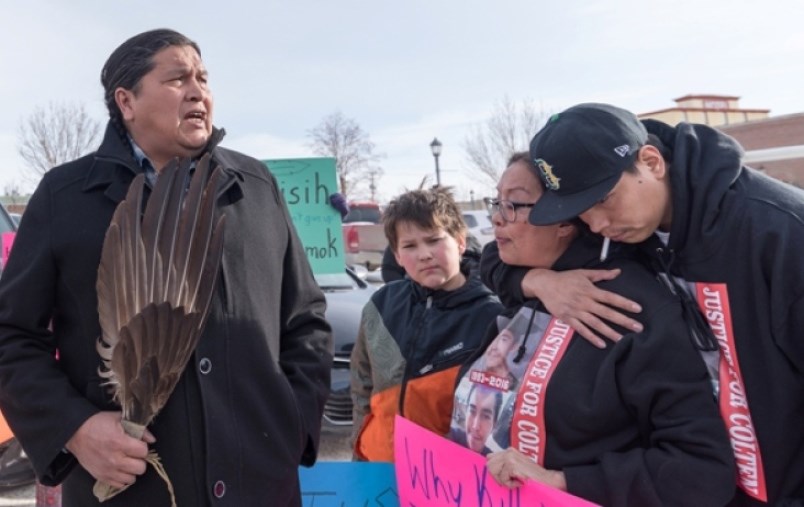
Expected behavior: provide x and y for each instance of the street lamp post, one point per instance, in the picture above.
(435, 147)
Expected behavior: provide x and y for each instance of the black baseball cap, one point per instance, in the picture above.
(581, 154)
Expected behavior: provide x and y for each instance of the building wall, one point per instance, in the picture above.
(712, 110)
(709, 101)
(710, 117)
(776, 132)
(785, 130)
(15, 208)
(790, 171)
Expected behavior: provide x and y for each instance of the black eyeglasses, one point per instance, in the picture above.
(506, 208)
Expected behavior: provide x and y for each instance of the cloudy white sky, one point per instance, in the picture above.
(408, 70)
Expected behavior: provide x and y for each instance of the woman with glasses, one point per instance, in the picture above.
(634, 423)
(592, 311)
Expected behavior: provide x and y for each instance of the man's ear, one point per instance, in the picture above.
(653, 160)
(124, 100)
(461, 239)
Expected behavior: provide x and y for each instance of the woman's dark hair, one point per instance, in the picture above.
(131, 61)
(523, 156)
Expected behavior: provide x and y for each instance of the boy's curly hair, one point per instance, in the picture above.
(427, 208)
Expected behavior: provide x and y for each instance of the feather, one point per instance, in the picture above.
(155, 282)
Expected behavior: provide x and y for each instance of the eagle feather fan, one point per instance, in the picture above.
(155, 284)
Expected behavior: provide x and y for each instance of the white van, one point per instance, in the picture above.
(479, 224)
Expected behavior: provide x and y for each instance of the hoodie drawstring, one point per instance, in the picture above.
(701, 334)
(521, 351)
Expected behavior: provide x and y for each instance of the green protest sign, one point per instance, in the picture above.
(306, 184)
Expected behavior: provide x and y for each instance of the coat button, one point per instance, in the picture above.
(219, 489)
(204, 365)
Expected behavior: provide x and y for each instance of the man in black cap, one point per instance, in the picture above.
(724, 238)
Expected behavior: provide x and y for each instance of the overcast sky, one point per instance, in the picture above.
(409, 70)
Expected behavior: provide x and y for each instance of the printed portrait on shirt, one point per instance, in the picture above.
(485, 394)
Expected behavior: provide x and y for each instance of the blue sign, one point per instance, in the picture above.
(349, 484)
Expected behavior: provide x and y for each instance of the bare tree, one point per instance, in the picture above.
(13, 193)
(355, 160)
(508, 130)
(54, 135)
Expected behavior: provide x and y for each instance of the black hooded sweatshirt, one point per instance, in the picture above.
(736, 239)
(743, 232)
(634, 423)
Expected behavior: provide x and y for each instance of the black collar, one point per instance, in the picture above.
(114, 165)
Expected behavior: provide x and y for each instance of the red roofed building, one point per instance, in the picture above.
(773, 144)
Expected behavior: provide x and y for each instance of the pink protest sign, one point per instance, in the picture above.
(432, 471)
(7, 240)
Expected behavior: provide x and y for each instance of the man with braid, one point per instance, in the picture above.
(247, 409)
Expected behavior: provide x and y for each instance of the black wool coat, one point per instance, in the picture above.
(247, 409)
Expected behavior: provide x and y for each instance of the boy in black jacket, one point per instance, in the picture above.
(415, 332)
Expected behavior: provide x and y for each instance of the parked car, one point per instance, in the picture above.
(479, 224)
(364, 235)
(347, 293)
(367, 211)
(7, 224)
(15, 467)
(364, 244)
